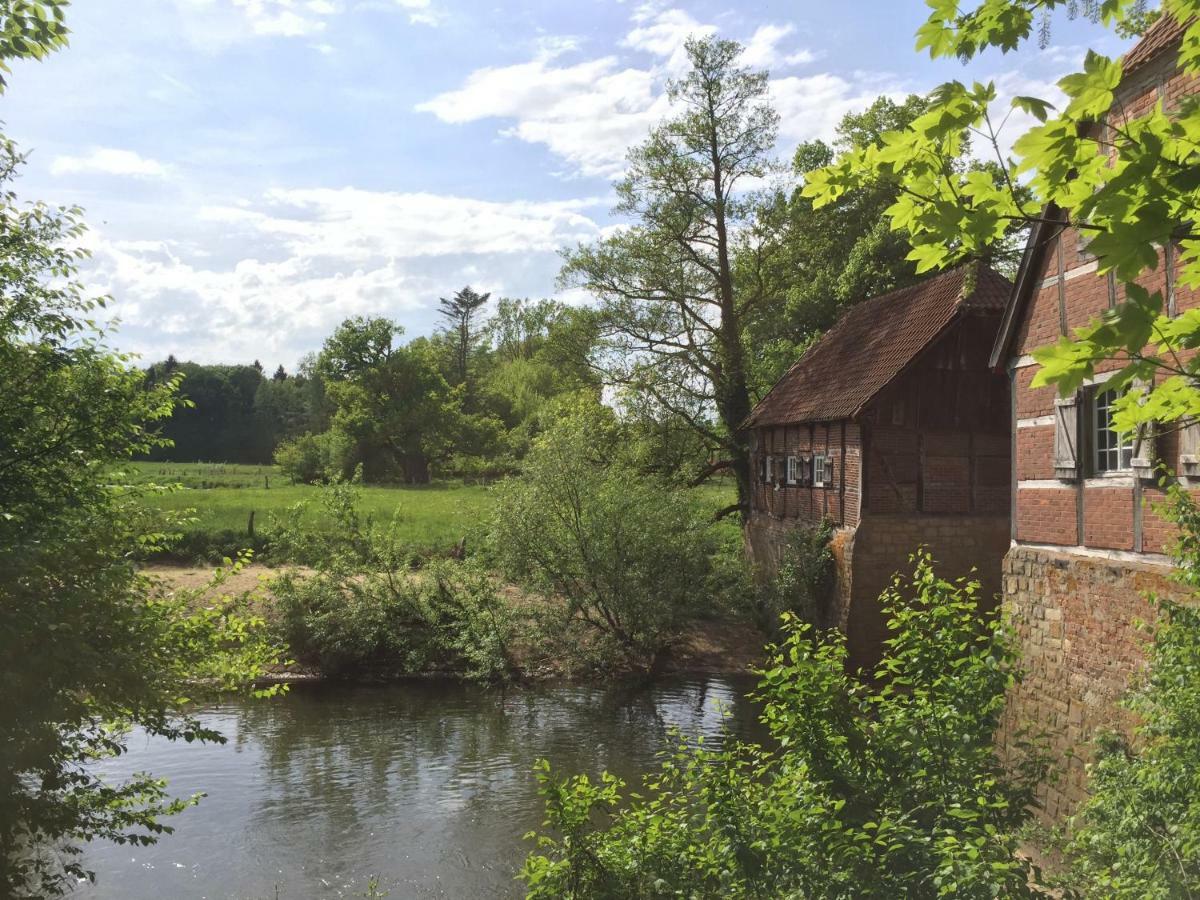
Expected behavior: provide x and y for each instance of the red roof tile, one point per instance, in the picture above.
(871, 344)
(1162, 35)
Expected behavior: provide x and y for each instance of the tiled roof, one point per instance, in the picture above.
(871, 344)
(1162, 35)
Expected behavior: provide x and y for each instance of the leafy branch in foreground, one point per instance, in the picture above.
(1125, 180)
(88, 646)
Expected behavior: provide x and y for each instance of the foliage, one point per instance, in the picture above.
(804, 580)
(365, 608)
(869, 789)
(393, 410)
(233, 413)
(1138, 835)
(459, 311)
(671, 309)
(632, 555)
(309, 458)
(30, 29)
(88, 647)
(1125, 182)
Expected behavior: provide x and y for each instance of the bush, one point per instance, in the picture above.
(1139, 833)
(632, 556)
(365, 608)
(891, 789)
(304, 460)
(805, 578)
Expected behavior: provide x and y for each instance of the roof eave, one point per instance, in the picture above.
(1022, 287)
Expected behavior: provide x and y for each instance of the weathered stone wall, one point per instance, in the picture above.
(882, 546)
(1075, 617)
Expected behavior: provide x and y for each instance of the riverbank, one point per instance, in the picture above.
(705, 647)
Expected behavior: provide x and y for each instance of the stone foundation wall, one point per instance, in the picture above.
(1075, 618)
(882, 546)
(867, 557)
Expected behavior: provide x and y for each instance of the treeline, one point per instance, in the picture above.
(464, 401)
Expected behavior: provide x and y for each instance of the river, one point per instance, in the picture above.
(427, 786)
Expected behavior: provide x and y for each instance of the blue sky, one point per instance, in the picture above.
(254, 171)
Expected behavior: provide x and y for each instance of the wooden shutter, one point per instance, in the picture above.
(1189, 450)
(1066, 438)
(1144, 456)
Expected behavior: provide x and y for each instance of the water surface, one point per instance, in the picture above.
(427, 786)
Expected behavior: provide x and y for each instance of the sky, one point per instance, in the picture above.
(255, 171)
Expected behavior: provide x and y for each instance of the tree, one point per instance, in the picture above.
(459, 311)
(392, 410)
(280, 374)
(671, 308)
(631, 556)
(819, 260)
(88, 646)
(1129, 186)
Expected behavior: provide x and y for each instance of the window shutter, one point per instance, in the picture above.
(1189, 450)
(1144, 456)
(1066, 438)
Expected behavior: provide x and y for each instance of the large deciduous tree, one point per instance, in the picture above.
(393, 411)
(671, 305)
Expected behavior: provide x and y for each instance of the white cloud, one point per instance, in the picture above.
(218, 23)
(354, 225)
(811, 107)
(588, 113)
(307, 258)
(763, 51)
(108, 161)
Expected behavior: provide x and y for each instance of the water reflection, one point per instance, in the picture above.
(427, 785)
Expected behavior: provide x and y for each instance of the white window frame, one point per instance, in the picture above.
(793, 470)
(1105, 444)
(821, 473)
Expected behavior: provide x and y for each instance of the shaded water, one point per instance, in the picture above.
(426, 785)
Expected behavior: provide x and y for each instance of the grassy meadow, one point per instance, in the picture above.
(219, 497)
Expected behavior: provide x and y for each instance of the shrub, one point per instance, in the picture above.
(631, 555)
(1139, 833)
(365, 608)
(304, 460)
(891, 789)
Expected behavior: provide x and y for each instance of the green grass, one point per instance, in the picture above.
(431, 518)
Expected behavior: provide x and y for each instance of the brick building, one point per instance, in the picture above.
(894, 427)
(1086, 541)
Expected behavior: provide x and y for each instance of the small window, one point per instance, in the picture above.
(822, 469)
(793, 470)
(1112, 450)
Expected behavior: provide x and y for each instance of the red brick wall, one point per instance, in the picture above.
(1068, 272)
(1047, 516)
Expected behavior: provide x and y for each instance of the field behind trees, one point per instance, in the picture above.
(217, 498)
